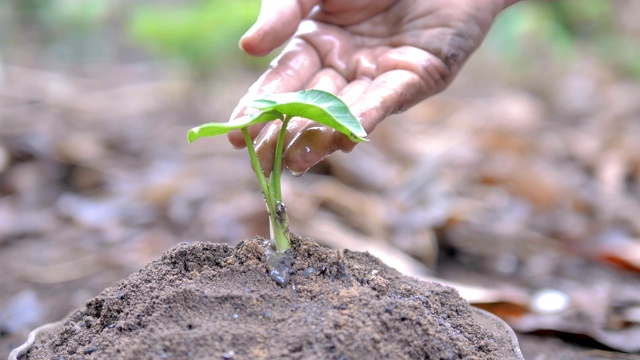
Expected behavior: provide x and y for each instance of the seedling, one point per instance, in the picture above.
(316, 105)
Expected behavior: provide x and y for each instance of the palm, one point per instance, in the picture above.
(380, 59)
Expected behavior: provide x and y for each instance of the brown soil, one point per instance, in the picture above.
(206, 300)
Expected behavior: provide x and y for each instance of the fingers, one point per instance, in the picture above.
(389, 93)
(311, 145)
(371, 101)
(391, 55)
(277, 22)
(315, 142)
(401, 78)
(350, 12)
(268, 138)
(291, 71)
(327, 80)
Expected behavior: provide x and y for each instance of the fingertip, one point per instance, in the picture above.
(277, 23)
(236, 138)
(253, 43)
(310, 147)
(344, 143)
(296, 164)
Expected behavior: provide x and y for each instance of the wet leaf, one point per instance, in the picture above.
(319, 106)
(316, 105)
(215, 129)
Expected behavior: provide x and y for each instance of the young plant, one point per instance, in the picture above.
(316, 105)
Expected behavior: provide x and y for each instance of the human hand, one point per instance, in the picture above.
(380, 57)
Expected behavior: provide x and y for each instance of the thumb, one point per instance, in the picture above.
(277, 22)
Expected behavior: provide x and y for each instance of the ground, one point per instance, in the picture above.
(207, 301)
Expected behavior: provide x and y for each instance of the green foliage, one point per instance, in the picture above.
(563, 29)
(62, 32)
(68, 14)
(215, 129)
(200, 33)
(316, 105)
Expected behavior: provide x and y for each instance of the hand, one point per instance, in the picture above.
(380, 57)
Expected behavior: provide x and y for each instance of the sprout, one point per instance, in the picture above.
(316, 105)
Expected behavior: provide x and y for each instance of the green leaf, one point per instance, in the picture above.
(215, 129)
(316, 105)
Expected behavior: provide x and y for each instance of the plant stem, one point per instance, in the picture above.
(280, 222)
(257, 168)
(277, 161)
(278, 218)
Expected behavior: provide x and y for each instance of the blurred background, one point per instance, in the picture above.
(520, 184)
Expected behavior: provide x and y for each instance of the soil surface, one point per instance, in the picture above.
(206, 300)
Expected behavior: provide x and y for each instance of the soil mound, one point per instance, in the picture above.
(212, 301)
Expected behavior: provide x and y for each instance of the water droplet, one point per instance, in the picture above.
(297, 173)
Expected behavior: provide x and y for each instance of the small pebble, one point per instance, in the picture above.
(308, 272)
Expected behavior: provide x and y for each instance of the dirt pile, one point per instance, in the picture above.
(205, 300)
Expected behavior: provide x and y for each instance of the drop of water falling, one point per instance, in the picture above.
(297, 173)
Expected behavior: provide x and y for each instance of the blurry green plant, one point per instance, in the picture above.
(62, 32)
(69, 15)
(563, 29)
(202, 34)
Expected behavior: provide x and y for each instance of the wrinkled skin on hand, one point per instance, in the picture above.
(380, 57)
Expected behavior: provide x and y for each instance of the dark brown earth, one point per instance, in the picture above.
(206, 300)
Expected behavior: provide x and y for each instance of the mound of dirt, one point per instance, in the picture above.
(212, 301)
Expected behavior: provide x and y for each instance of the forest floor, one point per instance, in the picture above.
(522, 193)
